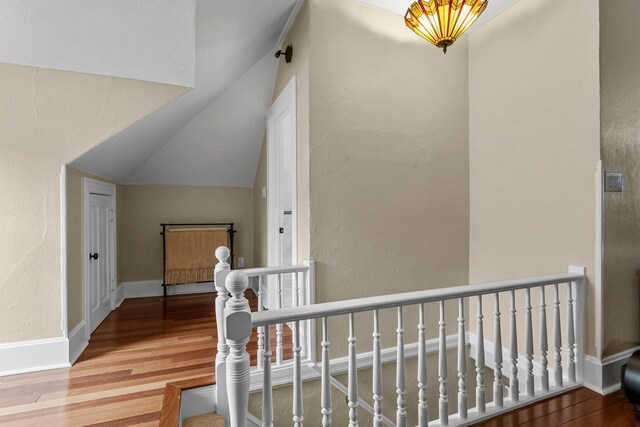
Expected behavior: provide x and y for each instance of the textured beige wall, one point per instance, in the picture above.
(620, 114)
(534, 143)
(389, 180)
(48, 118)
(298, 38)
(147, 206)
(75, 241)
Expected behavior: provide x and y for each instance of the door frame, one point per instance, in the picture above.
(92, 186)
(285, 103)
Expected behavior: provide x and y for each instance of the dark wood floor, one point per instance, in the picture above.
(120, 378)
(581, 407)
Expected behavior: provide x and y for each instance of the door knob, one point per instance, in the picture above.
(93, 256)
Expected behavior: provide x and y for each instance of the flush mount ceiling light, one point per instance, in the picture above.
(442, 22)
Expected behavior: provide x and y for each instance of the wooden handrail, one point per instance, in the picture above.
(316, 311)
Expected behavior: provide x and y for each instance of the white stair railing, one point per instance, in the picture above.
(520, 366)
(220, 272)
(300, 282)
(300, 279)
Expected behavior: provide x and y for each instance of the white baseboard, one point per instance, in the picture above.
(119, 295)
(489, 358)
(603, 376)
(77, 342)
(283, 374)
(153, 288)
(36, 355)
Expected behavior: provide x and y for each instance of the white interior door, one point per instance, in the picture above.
(99, 252)
(281, 191)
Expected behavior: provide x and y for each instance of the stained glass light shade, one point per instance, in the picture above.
(442, 22)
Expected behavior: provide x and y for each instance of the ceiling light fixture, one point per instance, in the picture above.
(442, 22)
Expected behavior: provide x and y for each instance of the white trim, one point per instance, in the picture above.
(290, 21)
(283, 374)
(286, 101)
(90, 186)
(36, 355)
(153, 288)
(603, 376)
(197, 401)
(599, 246)
(63, 251)
(356, 305)
(489, 356)
(473, 417)
(119, 295)
(77, 342)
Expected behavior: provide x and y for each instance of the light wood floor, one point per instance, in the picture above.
(120, 378)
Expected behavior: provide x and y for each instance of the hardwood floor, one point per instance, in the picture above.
(581, 407)
(120, 378)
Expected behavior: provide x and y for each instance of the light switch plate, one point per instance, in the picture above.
(264, 192)
(240, 262)
(613, 181)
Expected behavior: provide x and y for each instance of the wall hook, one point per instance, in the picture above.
(288, 54)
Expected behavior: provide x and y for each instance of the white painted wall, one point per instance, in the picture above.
(150, 40)
(230, 41)
(221, 145)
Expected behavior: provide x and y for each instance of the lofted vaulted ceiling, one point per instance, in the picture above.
(211, 135)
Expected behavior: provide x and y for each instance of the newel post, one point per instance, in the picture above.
(220, 273)
(237, 322)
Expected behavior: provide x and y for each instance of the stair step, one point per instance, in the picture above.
(204, 420)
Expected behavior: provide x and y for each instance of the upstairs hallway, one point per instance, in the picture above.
(121, 376)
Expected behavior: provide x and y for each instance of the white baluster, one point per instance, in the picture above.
(220, 273)
(279, 348)
(237, 320)
(557, 338)
(442, 369)
(326, 379)
(544, 345)
(261, 328)
(423, 407)
(353, 374)
(298, 418)
(305, 287)
(267, 389)
(481, 404)
(498, 387)
(401, 411)
(377, 373)
(295, 290)
(528, 339)
(571, 337)
(514, 388)
(462, 363)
